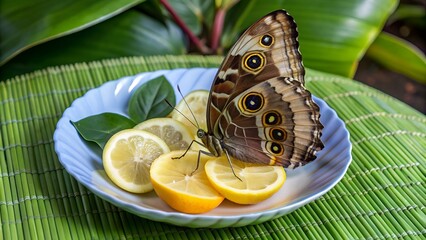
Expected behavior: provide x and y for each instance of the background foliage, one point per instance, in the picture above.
(334, 34)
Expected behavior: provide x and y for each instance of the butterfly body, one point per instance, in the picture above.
(259, 110)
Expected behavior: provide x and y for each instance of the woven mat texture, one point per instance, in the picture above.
(381, 196)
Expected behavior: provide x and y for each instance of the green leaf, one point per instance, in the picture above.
(225, 4)
(149, 100)
(152, 8)
(27, 23)
(194, 13)
(333, 34)
(399, 55)
(244, 14)
(99, 128)
(130, 33)
(408, 11)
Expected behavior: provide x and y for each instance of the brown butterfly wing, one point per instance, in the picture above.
(285, 130)
(281, 58)
(258, 107)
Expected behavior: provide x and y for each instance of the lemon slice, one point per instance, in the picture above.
(127, 157)
(259, 182)
(174, 133)
(197, 102)
(175, 182)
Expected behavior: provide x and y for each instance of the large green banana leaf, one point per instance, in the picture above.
(399, 55)
(334, 34)
(27, 23)
(128, 34)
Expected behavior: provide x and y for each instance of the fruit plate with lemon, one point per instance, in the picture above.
(85, 163)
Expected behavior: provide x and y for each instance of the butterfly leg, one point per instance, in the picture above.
(187, 149)
(198, 159)
(230, 164)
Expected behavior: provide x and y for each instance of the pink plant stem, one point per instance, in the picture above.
(203, 48)
(217, 29)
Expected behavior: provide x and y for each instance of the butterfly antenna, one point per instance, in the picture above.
(168, 103)
(187, 105)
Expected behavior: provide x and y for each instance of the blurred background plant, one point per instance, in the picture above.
(395, 62)
(335, 36)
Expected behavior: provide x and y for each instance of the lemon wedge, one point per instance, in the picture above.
(176, 183)
(174, 133)
(127, 158)
(196, 101)
(256, 183)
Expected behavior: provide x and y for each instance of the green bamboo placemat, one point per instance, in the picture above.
(381, 196)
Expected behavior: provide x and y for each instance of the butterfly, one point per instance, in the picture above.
(259, 110)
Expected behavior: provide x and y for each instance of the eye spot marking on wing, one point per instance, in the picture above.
(266, 40)
(275, 148)
(277, 134)
(253, 62)
(271, 118)
(251, 102)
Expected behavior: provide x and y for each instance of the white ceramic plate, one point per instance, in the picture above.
(303, 185)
